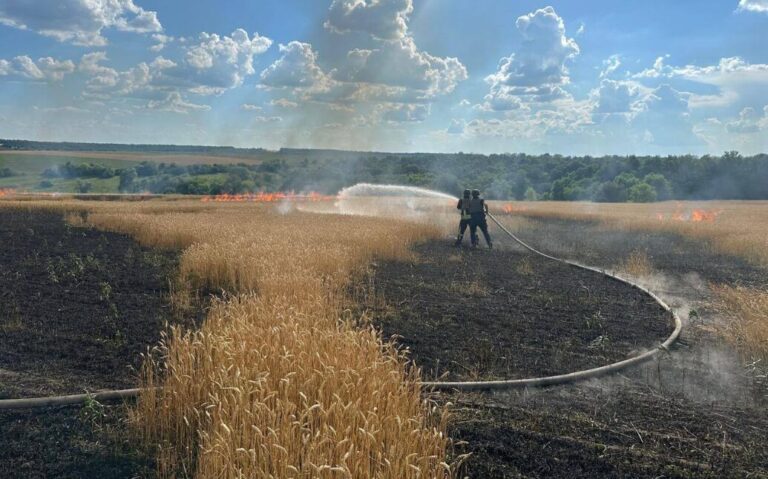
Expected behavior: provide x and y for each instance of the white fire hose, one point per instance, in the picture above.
(437, 385)
(578, 375)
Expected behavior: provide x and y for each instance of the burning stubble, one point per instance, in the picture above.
(733, 227)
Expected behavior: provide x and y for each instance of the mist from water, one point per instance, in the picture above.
(368, 189)
(402, 202)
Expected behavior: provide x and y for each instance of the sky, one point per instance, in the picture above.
(592, 77)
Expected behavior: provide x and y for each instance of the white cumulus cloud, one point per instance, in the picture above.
(296, 68)
(174, 102)
(219, 62)
(616, 96)
(734, 77)
(45, 69)
(542, 56)
(401, 64)
(383, 19)
(213, 65)
(610, 65)
(284, 103)
(760, 6)
(78, 21)
(749, 121)
(537, 70)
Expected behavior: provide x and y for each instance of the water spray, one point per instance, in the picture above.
(368, 189)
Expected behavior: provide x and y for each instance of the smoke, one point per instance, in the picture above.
(700, 366)
(401, 202)
(285, 207)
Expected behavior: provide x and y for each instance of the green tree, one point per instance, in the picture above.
(127, 177)
(661, 184)
(627, 180)
(611, 192)
(559, 188)
(642, 193)
(531, 195)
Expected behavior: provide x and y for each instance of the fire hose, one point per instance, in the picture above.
(435, 385)
(578, 375)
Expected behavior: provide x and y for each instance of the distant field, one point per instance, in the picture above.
(132, 157)
(30, 165)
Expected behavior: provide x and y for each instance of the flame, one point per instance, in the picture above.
(695, 216)
(703, 215)
(7, 192)
(266, 197)
(510, 208)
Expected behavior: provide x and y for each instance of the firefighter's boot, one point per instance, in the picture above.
(459, 239)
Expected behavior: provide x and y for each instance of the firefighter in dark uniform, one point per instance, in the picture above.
(463, 207)
(477, 211)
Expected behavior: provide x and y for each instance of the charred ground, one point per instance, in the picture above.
(77, 308)
(483, 315)
(497, 314)
(463, 314)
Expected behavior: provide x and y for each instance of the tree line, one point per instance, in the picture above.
(509, 176)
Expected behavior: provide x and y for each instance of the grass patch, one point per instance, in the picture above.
(638, 264)
(746, 326)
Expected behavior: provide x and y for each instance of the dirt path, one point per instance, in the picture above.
(693, 413)
(77, 307)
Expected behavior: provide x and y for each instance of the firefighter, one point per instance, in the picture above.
(463, 207)
(477, 210)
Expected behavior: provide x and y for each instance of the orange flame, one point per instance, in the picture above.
(510, 208)
(265, 197)
(695, 216)
(7, 192)
(704, 215)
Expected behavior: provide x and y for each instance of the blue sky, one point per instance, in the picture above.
(490, 76)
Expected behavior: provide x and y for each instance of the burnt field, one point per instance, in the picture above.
(77, 308)
(478, 315)
(496, 314)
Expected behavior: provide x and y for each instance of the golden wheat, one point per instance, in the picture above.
(637, 264)
(746, 320)
(275, 384)
(734, 227)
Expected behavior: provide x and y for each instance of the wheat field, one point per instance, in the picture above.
(278, 382)
(734, 227)
(281, 382)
